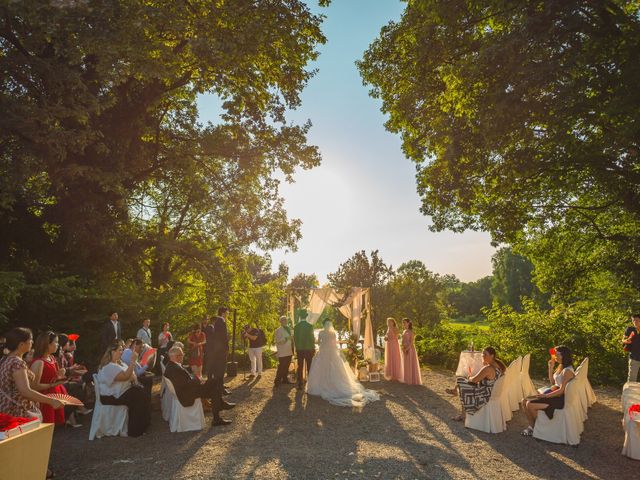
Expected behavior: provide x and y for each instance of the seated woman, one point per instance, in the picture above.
(553, 398)
(119, 386)
(16, 396)
(475, 391)
(48, 377)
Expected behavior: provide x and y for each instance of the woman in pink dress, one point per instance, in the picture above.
(392, 358)
(410, 364)
(48, 378)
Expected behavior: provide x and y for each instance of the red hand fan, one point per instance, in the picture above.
(73, 337)
(552, 351)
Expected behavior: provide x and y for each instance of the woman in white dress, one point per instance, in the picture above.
(330, 376)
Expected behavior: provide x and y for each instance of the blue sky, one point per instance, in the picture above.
(363, 195)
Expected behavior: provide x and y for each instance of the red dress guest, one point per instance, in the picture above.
(48, 377)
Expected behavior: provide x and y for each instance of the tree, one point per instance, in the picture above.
(416, 293)
(360, 271)
(513, 279)
(468, 299)
(521, 117)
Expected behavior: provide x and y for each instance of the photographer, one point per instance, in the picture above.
(257, 340)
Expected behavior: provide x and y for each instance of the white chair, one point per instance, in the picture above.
(107, 420)
(514, 389)
(491, 418)
(566, 426)
(586, 393)
(165, 401)
(528, 388)
(184, 419)
(630, 396)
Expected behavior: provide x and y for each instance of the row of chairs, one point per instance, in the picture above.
(111, 420)
(567, 424)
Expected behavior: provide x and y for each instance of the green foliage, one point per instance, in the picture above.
(521, 118)
(513, 280)
(468, 299)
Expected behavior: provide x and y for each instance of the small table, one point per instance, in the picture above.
(469, 364)
(26, 455)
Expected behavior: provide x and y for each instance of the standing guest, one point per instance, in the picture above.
(111, 331)
(140, 370)
(144, 333)
(553, 398)
(215, 362)
(187, 387)
(205, 322)
(16, 396)
(304, 341)
(197, 341)
(257, 340)
(475, 391)
(631, 341)
(392, 357)
(165, 340)
(48, 378)
(410, 366)
(119, 386)
(282, 337)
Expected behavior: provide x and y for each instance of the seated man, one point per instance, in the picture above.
(188, 387)
(145, 380)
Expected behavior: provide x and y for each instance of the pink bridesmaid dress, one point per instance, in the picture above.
(392, 357)
(410, 364)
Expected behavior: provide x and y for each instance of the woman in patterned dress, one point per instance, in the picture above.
(476, 391)
(48, 378)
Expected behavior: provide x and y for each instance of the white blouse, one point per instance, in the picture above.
(107, 379)
(558, 377)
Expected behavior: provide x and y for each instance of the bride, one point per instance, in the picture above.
(330, 376)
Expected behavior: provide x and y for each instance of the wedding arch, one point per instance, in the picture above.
(356, 306)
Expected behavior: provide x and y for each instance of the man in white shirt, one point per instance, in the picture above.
(144, 333)
(284, 346)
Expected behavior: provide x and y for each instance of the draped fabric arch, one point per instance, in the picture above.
(354, 307)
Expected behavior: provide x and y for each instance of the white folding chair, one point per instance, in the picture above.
(528, 388)
(567, 425)
(165, 401)
(107, 420)
(490, 418)
(630, 396)
(514, 390)
(184, 419)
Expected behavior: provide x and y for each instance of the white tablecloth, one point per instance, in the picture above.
(630, 396)
(469, 359)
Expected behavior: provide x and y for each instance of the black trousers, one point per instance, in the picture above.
(283, 369)
(139, 409)
(217, 388)
(304, 359)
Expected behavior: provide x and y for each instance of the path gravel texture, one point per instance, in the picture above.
(285, 434)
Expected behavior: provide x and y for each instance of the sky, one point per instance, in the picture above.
(363, 195)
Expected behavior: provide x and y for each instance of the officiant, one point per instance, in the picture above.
(284, 346)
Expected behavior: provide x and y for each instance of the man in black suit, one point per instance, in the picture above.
(187, 387)
(110, 332)
(215, 362)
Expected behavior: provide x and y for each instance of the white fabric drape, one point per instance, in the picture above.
(320, 297)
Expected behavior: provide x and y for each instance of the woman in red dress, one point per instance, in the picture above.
(48, 377)
(197, 341)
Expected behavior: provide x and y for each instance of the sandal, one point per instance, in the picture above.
(527, 432)
(451, 391)
(458, 418)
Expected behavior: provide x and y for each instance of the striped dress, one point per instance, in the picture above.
(475, 395)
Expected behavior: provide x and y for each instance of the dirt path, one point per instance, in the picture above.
(280, 434)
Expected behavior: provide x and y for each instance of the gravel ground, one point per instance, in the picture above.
(284, 433)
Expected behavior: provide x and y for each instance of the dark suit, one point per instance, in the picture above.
(109, 334)
(187, 387)
(215, 359)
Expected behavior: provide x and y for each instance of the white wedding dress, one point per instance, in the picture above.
(331, 378)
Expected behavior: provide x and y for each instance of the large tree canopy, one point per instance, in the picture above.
(524, 119)
(98, 102)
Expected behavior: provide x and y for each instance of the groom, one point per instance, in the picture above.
(305, 345)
